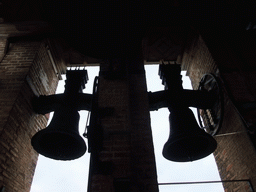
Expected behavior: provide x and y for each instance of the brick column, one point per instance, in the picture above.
(127, 157)
(235, 155)
(25, 70)
(143, 161)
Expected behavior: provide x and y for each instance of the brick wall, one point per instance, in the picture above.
(143, 159)
(197, 60)
(127, 143)
(235, 155)
(14, 68)
(116, 145)
(26, 61)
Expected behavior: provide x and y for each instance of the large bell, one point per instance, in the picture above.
(187, 142)
(61, 139)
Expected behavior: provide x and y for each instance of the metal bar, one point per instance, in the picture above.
(205, 182)
(32, 86)
(250, 183)
(53, 63)
(233, 133)
(198, 182)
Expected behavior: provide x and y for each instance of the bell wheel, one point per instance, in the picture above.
(211, 119)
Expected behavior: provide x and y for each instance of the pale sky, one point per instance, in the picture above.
(71, 176)
(169, 172)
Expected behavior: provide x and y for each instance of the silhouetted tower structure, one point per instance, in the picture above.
(38, 42)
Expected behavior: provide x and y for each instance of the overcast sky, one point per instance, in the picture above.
(71, 176)
(169, 172)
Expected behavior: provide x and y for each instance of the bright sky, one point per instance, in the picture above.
(169, 172)
(71, 176)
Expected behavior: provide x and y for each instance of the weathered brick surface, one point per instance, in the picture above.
(13, 70)
(197, 60)
(18, 122)
(235, 155)
(143, 160)
(127, 135)
(42, 73)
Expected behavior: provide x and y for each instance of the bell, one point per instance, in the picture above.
(61, 139)
(187, 142)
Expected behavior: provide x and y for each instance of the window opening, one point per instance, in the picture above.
(168, 172)
(60, 176)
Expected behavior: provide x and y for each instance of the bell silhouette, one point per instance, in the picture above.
(61, 139)
(187, 142)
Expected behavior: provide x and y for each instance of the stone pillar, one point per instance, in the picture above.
(127, 157)
(26, 71)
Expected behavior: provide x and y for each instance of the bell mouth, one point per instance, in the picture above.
(58, 145)
(189, 148)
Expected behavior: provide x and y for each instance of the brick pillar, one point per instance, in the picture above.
(127, 154)
(143, 160)
(235, 155)
(25, 70)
